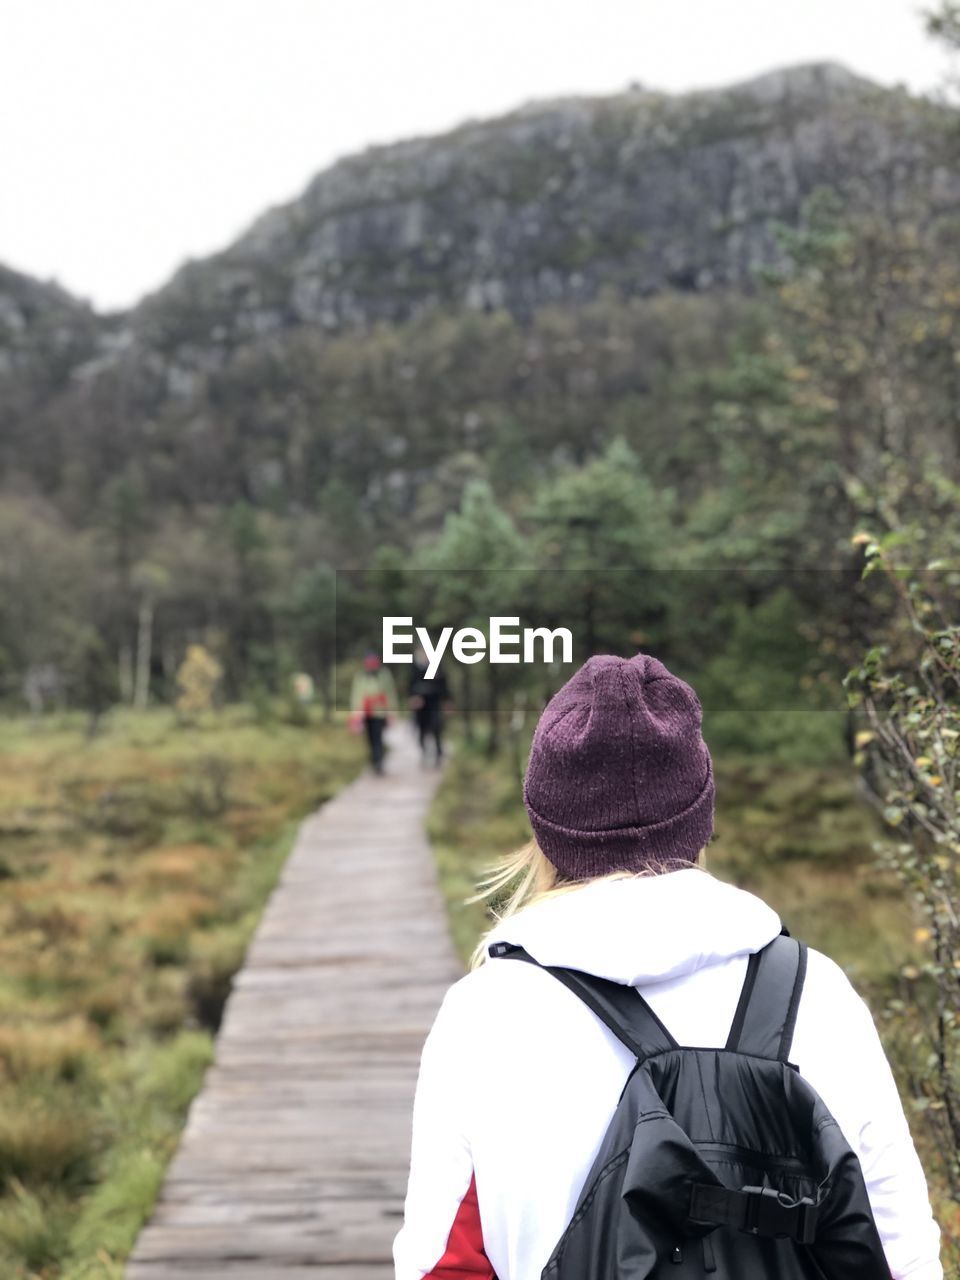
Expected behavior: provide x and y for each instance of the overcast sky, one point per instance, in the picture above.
(137, 133)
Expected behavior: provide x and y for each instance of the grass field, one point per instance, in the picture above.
(796, 832)
(134, 867)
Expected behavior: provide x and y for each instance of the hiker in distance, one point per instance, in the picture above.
(429, 698)
(668, 1085)
(373, 705)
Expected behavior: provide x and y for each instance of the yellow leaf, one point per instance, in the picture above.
(922, 935)
(922, 762)
(863, 737)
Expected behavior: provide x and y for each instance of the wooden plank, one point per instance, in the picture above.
(294, 1158)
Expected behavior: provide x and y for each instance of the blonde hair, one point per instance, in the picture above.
(535, 879)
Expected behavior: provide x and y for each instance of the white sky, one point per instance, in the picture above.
(137, 133)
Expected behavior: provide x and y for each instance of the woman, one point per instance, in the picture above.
(519, 1080)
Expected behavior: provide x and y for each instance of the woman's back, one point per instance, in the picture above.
(519, 1079)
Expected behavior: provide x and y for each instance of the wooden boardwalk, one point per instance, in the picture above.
(294, 1158)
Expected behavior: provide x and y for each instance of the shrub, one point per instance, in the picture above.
(63, 1050)
(45, 1139)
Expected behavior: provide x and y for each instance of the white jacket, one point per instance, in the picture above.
(519, 1080)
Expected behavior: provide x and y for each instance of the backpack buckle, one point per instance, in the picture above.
(766, 1214)
(501, 948)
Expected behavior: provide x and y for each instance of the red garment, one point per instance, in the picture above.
(464, 1258)
(375, 704)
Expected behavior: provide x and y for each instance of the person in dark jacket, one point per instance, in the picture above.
(428, 700)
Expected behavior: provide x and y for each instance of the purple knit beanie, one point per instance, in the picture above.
(619, 776)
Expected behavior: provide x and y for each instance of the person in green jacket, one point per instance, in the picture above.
(373, 705)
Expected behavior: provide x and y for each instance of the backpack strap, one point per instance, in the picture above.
(619, 1007)
(767, 1011)
(761, 1211)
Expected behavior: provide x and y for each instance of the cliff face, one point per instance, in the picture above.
(46, 336)
(44, 331)
(548, 204)
(229, 380)
(641, 190)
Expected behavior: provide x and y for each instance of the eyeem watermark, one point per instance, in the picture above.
(507, 643)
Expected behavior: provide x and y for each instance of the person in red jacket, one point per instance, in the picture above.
(518, 1078)
(373, 704)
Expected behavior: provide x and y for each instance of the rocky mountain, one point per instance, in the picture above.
(233, 380)
(43, 328)
(641, 190)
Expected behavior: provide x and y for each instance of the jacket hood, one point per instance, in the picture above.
(643, 929)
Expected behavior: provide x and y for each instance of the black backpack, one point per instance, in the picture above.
(720, 1163)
